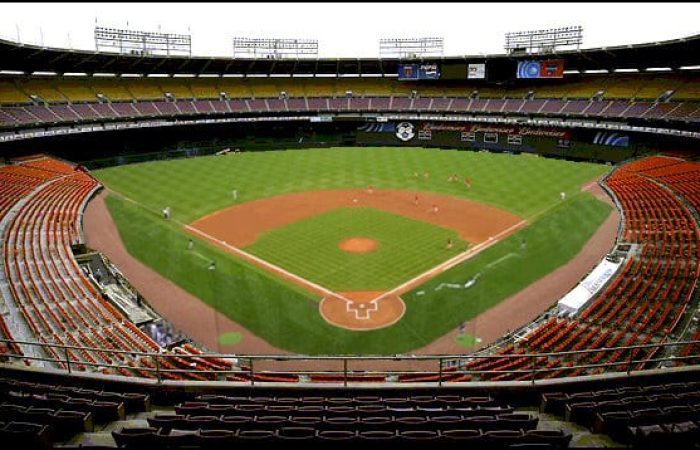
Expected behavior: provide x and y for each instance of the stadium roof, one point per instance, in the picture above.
(31, 58)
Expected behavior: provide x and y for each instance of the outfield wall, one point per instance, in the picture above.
(107, 148)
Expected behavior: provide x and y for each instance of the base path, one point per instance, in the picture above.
(240, 225)
(185, 311)
(522, 308)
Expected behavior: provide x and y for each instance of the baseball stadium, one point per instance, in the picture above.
(498, 251)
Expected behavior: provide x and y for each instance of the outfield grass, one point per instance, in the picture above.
(523, 185)
(309, 248)
(288, 318)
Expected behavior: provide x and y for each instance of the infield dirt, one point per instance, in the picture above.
(240, 225)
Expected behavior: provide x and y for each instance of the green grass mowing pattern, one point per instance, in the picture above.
(309, 248)
(289, 319)
(504, 269)
(523, 184)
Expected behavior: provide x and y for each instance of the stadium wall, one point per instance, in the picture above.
(107, 148)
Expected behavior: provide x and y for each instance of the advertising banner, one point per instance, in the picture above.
(419, 72)
(550, 68)
(611, 139)
(476, 71)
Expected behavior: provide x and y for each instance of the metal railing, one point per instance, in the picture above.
(444, 368)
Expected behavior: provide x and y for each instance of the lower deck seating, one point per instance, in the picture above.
(58, 303)
(645, 302)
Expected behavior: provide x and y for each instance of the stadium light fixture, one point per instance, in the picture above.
(596, 71)
(689, 67)
(75, 74)
(658, 69)
(184, 75)
(11, 72)
(543, 41)
(41, 73)
(131, 75)
(265, 48)
(158, 75)
(142, 43)
(103, 74)
(626, 70)
(411, 48)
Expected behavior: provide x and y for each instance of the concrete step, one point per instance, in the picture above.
(103, 432)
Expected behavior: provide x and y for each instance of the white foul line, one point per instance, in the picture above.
(264, 263)
(457, 259)
(454, 260)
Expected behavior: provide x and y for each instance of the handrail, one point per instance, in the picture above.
(344, 374)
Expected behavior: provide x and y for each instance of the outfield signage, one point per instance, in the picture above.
(548, 68)
(476, 71)
(419, 72)
(611, 139)
(405, 131)
(509, 130)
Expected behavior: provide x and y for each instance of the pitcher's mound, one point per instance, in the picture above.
(358, 245)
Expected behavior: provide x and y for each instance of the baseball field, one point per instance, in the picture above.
(402, 243)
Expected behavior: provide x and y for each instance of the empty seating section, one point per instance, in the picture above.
(65, 410)
(58, 303)
(681, 176)
(46, 89)
(113, 89)
(646, 301)
(76, 91)
(177, 87)
(624, 97)
(11, 94)
(211, 419)
(13, 116)
(646, 416)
